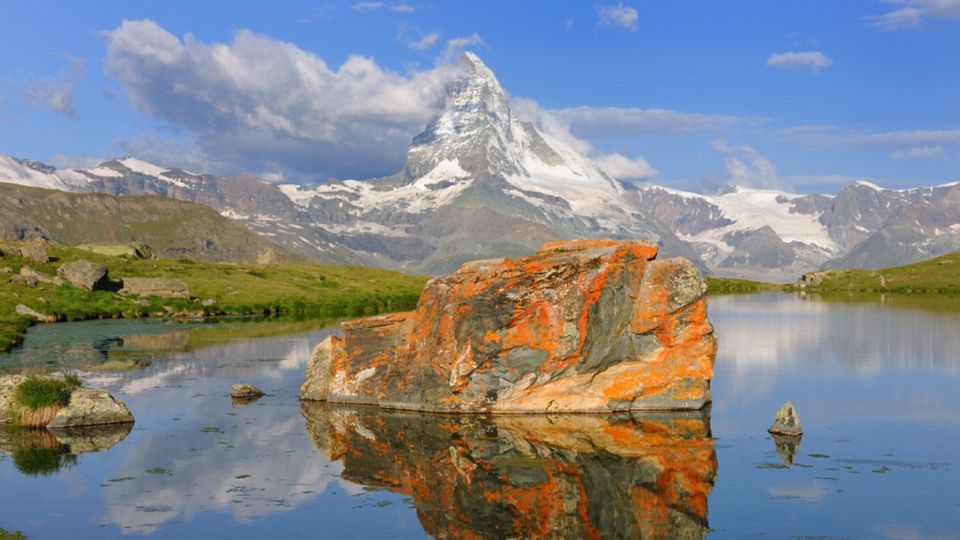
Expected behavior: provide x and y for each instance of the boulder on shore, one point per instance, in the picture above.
(581, 326)
(36, 250)
(28, 311)
(28, 272)
(85, 274)
(161, 287)
(84, 407)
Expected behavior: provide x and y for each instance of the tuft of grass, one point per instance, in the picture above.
(72, 380)
(11, 535)
(36, 393)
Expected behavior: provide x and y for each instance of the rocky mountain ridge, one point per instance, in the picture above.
(479, 182)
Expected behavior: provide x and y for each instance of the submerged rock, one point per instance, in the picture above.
(161, 287)
(786, 421)
(586, 326)
(84, 407)
(245, 391)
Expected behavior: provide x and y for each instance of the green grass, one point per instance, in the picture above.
(723, 285)
(298, 289)
(35, 393)
(935, 276)
(11, 535)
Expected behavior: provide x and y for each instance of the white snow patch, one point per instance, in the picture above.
(142, 167)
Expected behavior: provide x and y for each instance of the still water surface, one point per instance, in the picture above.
(875, 384)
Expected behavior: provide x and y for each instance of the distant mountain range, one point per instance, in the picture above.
(479, 182)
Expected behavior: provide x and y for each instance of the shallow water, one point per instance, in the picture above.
(874, 383)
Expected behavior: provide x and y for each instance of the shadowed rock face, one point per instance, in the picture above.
(562, 476)
(587, 326)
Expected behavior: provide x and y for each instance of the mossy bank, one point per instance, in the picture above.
(308, 290)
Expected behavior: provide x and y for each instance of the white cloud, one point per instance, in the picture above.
(918, 152)
(746, 166)
(907, 17)
(262, 104)
(367, 6)
(792, 60)
(462, 42)
(913, 13)
(823, 136)
(594, 122)
(402, 8)
(618, 15)
(622, 167)
(553, 125)
(414, 38)
(56, 94)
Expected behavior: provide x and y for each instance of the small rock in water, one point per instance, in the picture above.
(245, 391)
(787, 447)
(786, 421)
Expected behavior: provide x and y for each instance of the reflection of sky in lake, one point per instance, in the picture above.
(874, 387)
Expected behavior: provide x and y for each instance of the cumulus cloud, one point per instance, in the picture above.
(262, 104)
(625, 168)
(913, 13)
(808, 60)
(746, 166)
(918, 152)
(56, 93)
(618, 15)
(402, 8)
(555, 126)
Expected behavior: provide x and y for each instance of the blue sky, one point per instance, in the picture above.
(803, 96)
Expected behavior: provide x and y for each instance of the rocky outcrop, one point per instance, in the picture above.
(646, 475)
(160, 287)
(36, 250)
(85, 274)
(84, 407)
(584, 326)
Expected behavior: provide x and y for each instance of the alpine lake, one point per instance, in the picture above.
(875, 380)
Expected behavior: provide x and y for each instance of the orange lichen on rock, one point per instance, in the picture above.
(585, 326)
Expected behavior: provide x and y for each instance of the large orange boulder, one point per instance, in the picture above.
(582, 326)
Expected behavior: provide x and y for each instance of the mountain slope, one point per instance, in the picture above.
(173, 229)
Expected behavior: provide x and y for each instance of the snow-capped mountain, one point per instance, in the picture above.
(775, 235)
(478, 182)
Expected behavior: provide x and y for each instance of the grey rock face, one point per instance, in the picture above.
(85, 274)
(786, 421)
(89, 407)
(160, 287)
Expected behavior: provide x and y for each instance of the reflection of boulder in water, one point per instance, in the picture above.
(42, 452)
(571, 476)
(788, 446)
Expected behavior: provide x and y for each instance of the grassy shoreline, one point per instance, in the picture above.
(299, 289)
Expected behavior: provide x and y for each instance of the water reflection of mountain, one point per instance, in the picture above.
(581, 476)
